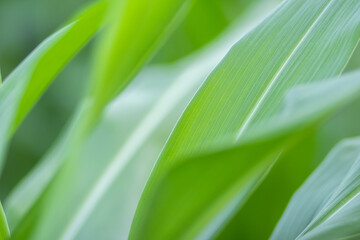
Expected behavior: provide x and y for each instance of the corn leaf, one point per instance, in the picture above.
(269, 200)
(106, 189)
(199, 193)
(138, 28)
(248, 85)
(119, 60)
(154, 89)
(4, 228)
(328, 204)
(25, 85)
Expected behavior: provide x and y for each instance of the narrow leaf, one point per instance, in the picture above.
(25, 85)
(137, 29)
(4, 228)
(327, 205)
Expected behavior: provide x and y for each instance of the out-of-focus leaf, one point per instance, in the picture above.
(144, 98)
(137, 29)
(301, 42)
(33, 185)
(268, 200)
(327, 205)
(195, 31)
(329, 133)
(120, 57)
(4, 228)
(25, 85)
(199, 193)
(102, 187)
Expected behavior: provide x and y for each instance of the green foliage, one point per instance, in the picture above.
(202, 192)
(211, 146)
(4, 229)
(28, 81)
(250, 82)
(327, 205)
(152, 97)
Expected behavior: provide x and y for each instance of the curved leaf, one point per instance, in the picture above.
(135, 32)
(25, 85)
(137, 29)
(160, 94)
(327, 205)
(200, 193)
(4, 228)
(248, 85)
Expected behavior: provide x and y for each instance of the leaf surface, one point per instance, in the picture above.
(4, 228)
(159, 94)
(327, 205)
(200, 193)
(301, 42)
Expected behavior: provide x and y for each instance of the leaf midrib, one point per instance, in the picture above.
(274, 79)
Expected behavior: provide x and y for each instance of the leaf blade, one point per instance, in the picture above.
(28, 81)
(192, 193)
(231, 92)
(329, 188)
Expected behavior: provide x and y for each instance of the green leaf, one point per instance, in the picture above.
(25, 85)
(122, 52)
(199, 193)
(98, 187)
(4, 228)
(254, 79)
(268, 200)
(137, 30)
(34, 184)
(195, 32)
(327, 205)
(159, 94)
(248, 85)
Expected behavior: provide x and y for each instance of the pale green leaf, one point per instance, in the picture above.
(123, 50)
(327, 205)
(137, 29)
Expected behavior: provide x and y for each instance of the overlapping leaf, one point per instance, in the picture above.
(123, 50)
(327, 206)
(199, 193)
(28, 81)
(301, 42)
(138, 28)
(269, 199)
(184, 77)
